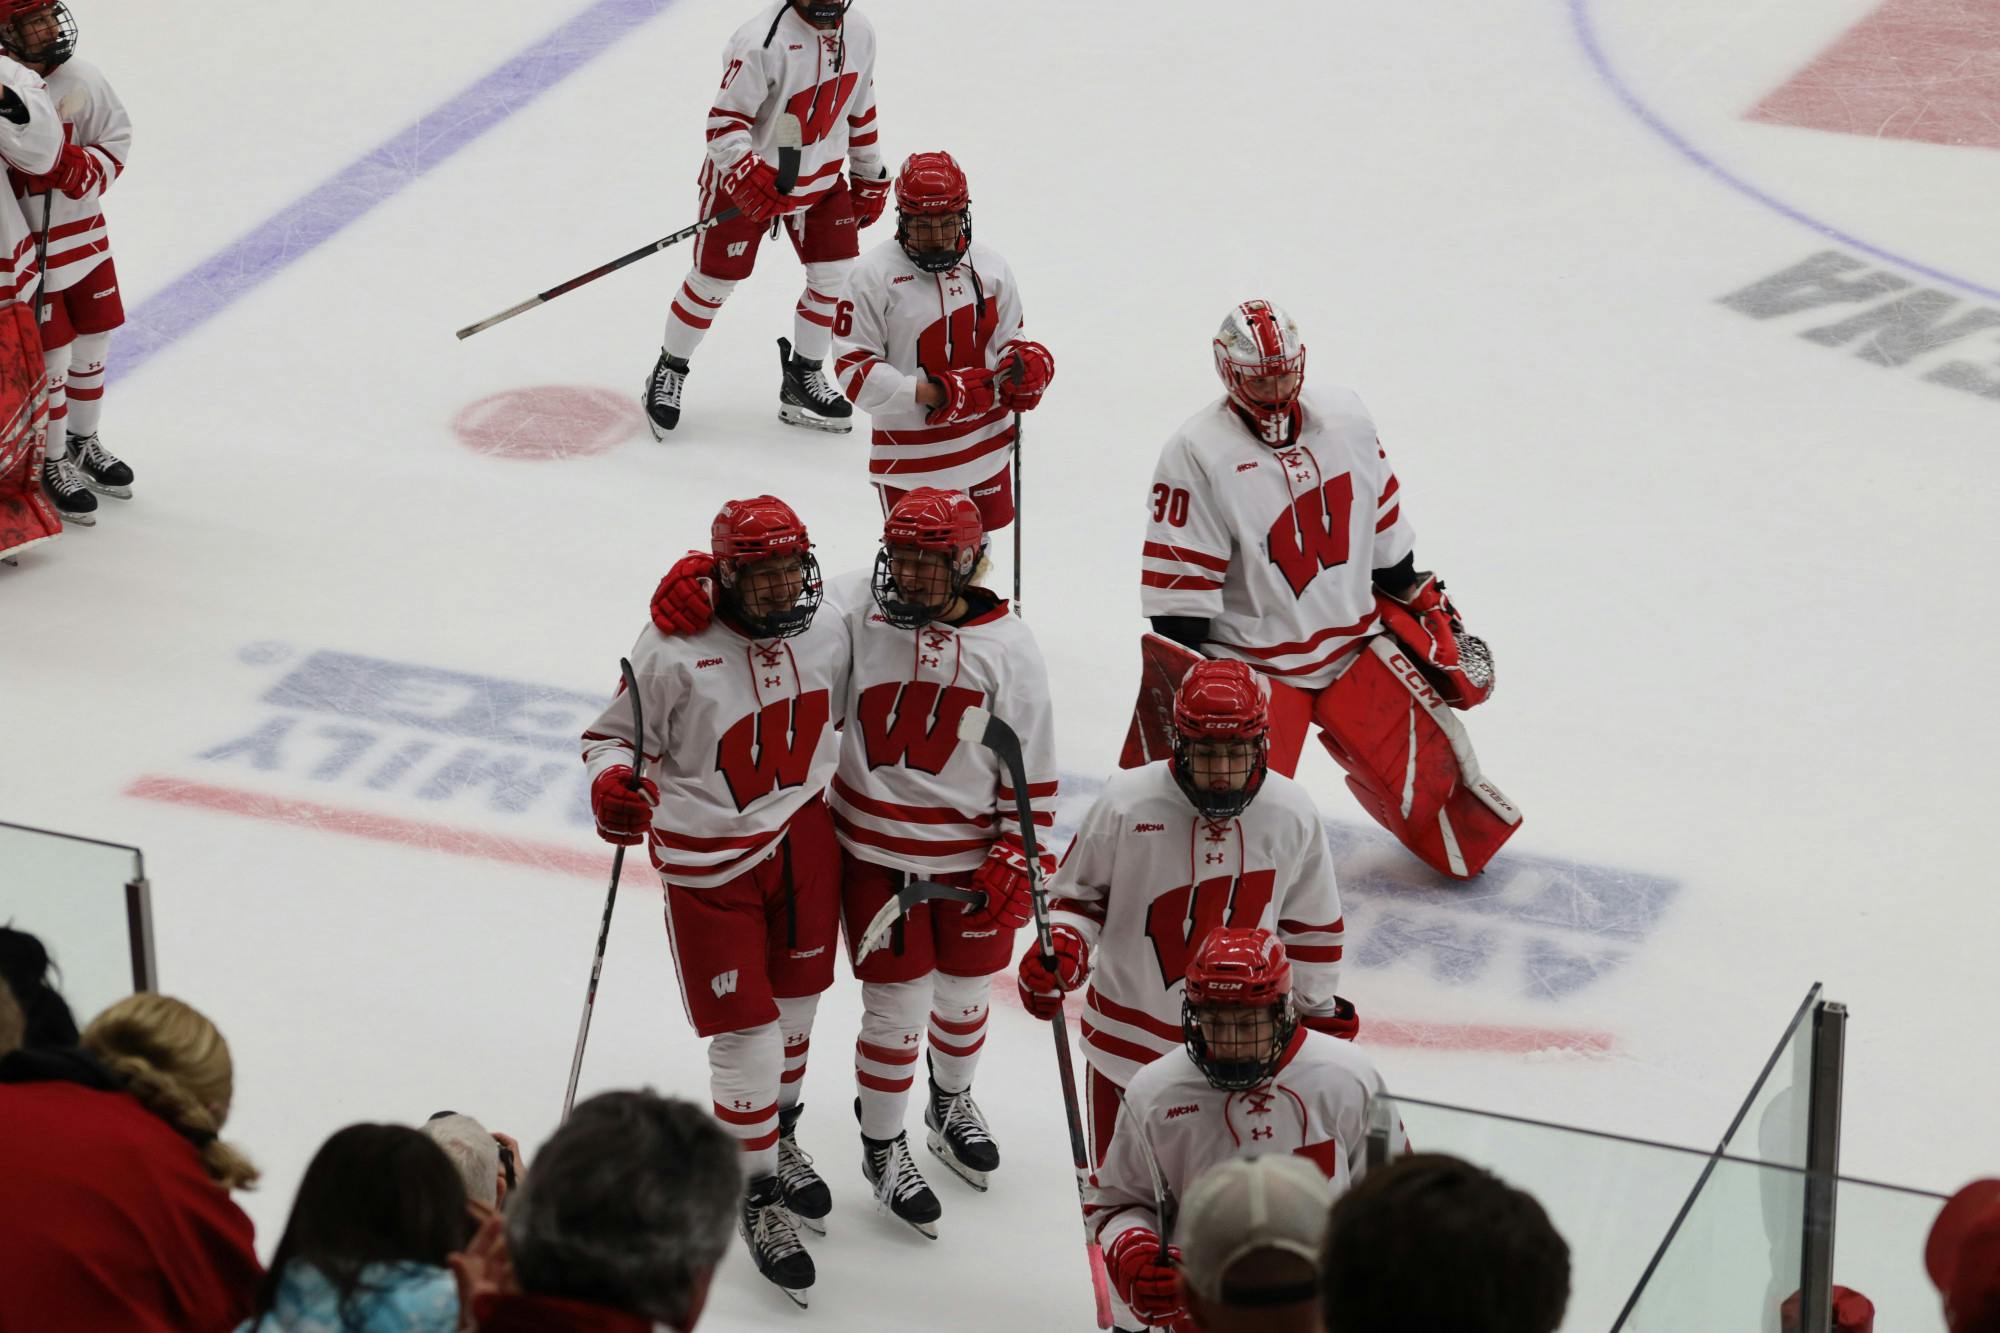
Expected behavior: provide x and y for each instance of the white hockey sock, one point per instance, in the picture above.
(813, 316)
(743, 1073)
(885, 1054)
(83, 386)
(57, 362)
(693, 310)
(959, 1006)
(795, 1021)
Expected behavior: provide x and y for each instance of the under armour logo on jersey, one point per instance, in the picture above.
(1212, 858)
(928, 660)
(724, 983)
(774, 681)
(1262, 1132)
(743, 1104)
(955, 290)
(911, 1038)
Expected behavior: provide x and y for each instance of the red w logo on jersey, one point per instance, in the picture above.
(958, 342)
(819, 107)
(1176, 928)
(914, 724)
(772, 747)
(1311, 535)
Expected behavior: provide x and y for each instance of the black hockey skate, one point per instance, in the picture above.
(806, 1193)
(807, 397)
(102, 470)
(766, 1227)
(887, 1166)
(64, 485)
(959, 1136)
(662, 395)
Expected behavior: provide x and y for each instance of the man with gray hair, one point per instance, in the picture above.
(617, 1226)
(1250, 1233)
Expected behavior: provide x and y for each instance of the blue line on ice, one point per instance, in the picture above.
(308, 222)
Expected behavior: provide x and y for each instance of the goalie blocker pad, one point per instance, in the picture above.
(1410, 762)
(26, 517)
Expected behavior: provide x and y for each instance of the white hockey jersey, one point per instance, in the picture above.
(909, 793)
(740, 733)
(778, 62)
(1317, 1106)
(909, 324)
(1277, 546)
(1146, 879)
(95, 119)
(30, 147)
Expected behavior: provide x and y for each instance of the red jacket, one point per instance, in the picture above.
(107, 1219)
(522, 1312)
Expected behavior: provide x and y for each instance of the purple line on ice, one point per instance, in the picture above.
(302, 226)
(1586, 33)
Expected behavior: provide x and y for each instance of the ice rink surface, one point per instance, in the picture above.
(1679, 327)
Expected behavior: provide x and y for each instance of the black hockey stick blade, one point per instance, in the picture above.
(790, 138)
(915, 892)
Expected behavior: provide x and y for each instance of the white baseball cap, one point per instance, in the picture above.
(1240, 1207)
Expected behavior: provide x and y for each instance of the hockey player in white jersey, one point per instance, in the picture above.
(813, 59)
(934, 351)
(1277, 536)
(1168, 853)
(740, 743)
(1249, 1080)
(911, 801)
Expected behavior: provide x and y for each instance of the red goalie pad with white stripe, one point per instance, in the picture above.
(1410, 762)
(25, 514)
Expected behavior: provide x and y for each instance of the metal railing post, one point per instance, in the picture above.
(1829, 1041)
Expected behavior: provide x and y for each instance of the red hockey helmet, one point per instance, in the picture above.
(1221, 737)
(1236, 1009)
(769, 581)
(931, 545)
(931, 186)
(1262, 362)
(38, 33)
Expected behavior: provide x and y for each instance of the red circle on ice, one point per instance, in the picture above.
(547, 421)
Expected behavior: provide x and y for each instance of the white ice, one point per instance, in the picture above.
(1736, 582)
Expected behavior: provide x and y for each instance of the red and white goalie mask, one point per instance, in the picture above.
(767, 579)
(1262, 362)
(933, 211)
(932, 542)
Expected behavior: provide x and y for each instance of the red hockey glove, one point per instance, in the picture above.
(1342, 1022)
(623, 815)
(1142, 1280)
(1041, 989)
(1025, 371)
(684, 602)
(75, 174)
(1425, 622)
(870, 198)
(968, 393)
(752, 185)
(1003, 878)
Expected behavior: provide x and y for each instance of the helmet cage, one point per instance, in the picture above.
(1259, 341)
(929, 185)
(934, 261)
(57, 45)
(733, 575)
(1237, 1073)
(904, 611)
(1220, 802)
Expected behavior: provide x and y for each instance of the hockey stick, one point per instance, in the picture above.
(789, 135)
(610, 898)
(906, 898)
(976, 724)
(1017, 512)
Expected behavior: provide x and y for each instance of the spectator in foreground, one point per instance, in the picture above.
(1250, 1233)
(13, 1023)
(488, 1163)
(619, 1223)
(1430, 1241)
(24, 966)
(117, 1210)
(1963, 1257)
(380, 1210)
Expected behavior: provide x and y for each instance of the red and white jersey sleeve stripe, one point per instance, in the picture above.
(864, 152)
(779, 63)
(909, 325)
(1276, 546)
(95, 119)
(31, 148)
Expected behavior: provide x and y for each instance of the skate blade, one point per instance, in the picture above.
(79, 520)
(115, 492)
(797, 1298)
(798, 416)
(816, 1225)
(942, 1151)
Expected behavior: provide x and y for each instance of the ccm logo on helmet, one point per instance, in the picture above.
(1225, 985)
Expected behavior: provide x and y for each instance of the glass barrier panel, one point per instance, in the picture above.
(70, 893)
(1878, 1250)
(1610, 1198)
(1734, 1260)
(1775, 1120)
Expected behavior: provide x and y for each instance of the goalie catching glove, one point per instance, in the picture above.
(1425, 622)
(1042, 990)
(624, 813)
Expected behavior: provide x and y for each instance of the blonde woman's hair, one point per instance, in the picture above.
(169, 1056)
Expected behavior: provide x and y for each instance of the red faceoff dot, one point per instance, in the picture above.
(547, 421)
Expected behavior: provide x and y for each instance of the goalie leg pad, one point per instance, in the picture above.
(1410, 764)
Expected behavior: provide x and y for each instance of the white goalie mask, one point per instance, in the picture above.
(1262, 362)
